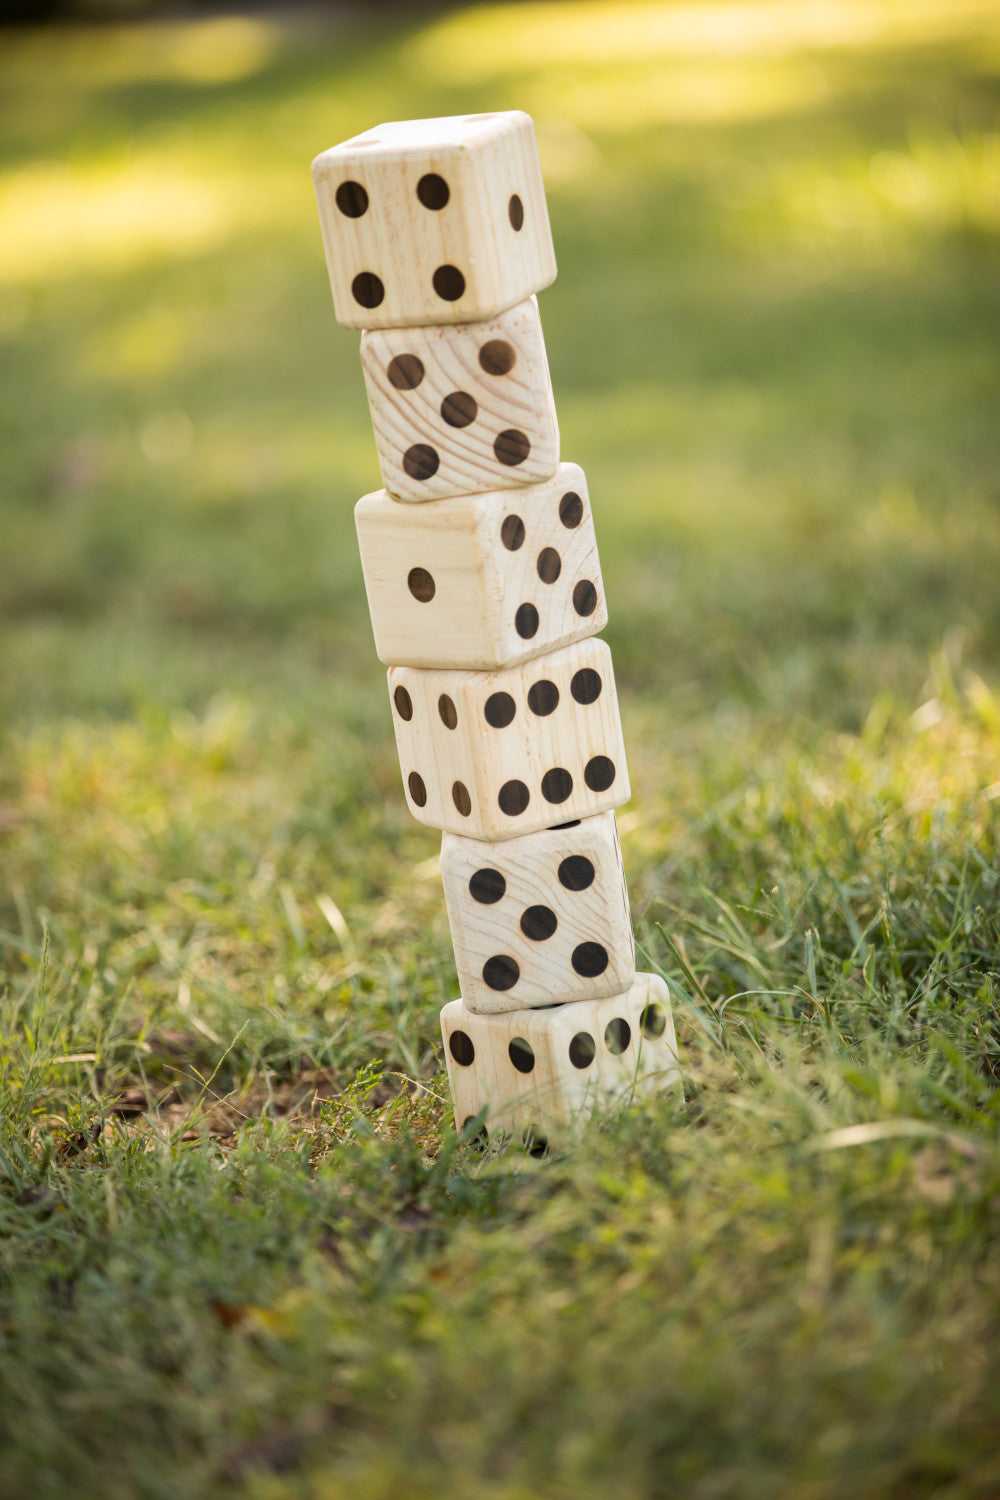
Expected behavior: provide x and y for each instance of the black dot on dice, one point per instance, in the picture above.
(449, 283)
(421, 461)
(515, 211)
(570, 509)
(499, 709)
(534, 1143)
(351, 199)
(459, 409)
(512, 533)
(433, 191)
(460, 797)
(418, 792)
(421, 585)
(513, 798)
(585, 597)
(487, 886)
(576, 872)
(447, 711)
(543, 697)
(599, 773)
(511, 447)
(404, 703)
(521, 1054)
(617, 1035)
(589, 959)
(526, 621)
(405, 372)
(497, 357)
(653, 1022)
(367, 289)
(461, 1048)
(586, 685)
(582, 1050)
(501, 972)
(549, 565)
(539, 923)
(557, 784)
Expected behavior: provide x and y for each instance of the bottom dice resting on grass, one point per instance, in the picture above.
(536, 1071)
(539, 919)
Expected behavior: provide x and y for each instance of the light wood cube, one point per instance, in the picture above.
(464, 408)
(495, 754)
(484, 581)
(539, 1072)
(539, 919)
(434, 221)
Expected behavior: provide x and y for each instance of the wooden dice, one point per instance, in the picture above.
(434, 221)
(540, 919)
(459, 409)
(482, 581)
(537, 1071)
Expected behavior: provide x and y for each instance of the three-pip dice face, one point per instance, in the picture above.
(434, 221)
(464, 408)
(494, 754)
(538, 1071)
(482, 581)
(541, 919)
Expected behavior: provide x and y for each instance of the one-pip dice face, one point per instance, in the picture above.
(539, 920)
(538, 1071)
(461, 409)
(434, 221)
(495, 754)
(482, 581)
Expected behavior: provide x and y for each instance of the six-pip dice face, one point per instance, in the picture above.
(434, 221)
(541, 919)
(539, 1071)
(462, 408)
(484, 581)
(495, 754)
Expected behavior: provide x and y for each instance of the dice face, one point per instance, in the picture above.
(541, 919)
(434, 221)
(540, 1072)
(494, 754)
(485, 581)
(461, 409)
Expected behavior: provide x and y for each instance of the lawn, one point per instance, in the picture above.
(242, 1251)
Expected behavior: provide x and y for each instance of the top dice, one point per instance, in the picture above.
(434, 221)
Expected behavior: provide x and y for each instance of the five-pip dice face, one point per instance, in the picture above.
(483, 581)
(494, 754)
(541, 919)
(461, 409)
(434, 221)
(538, 1071)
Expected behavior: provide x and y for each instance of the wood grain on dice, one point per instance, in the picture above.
(494, 754)
(539, 1072)
(541, 919)
(462, 408)
(484, 581)
(434, 221)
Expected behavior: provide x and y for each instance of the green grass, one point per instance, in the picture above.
(241, 1249)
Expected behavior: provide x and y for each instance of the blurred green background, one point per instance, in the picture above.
(774, 345)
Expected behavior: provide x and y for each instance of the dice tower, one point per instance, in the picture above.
(485, 592)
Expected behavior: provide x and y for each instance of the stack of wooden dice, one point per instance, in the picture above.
(485, 592)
